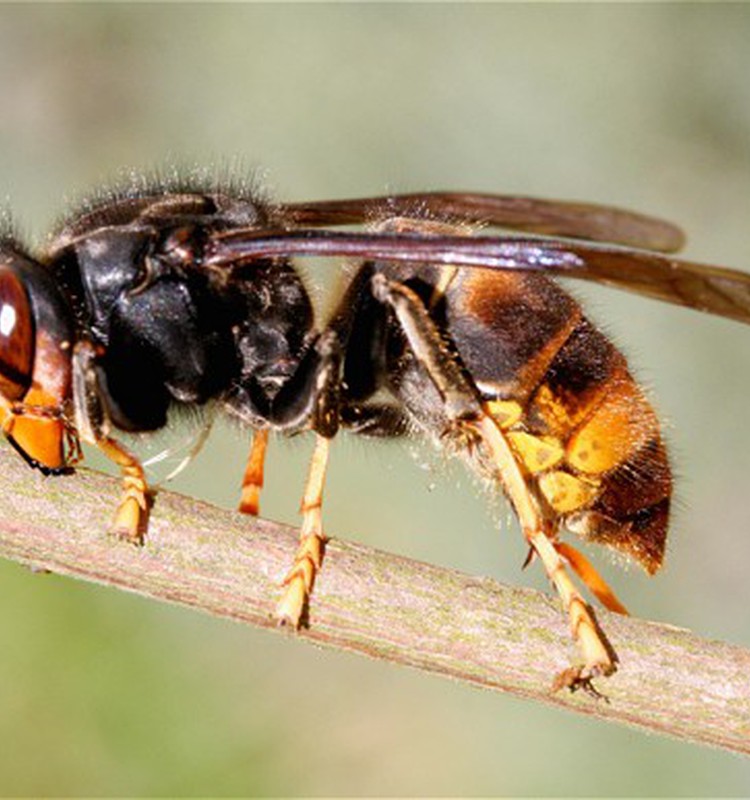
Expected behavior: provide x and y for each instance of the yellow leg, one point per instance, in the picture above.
(307, 561)
(131, 517)
(596, 654)
(593, 580)
(252, 482)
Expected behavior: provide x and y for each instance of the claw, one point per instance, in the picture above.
(581, 678)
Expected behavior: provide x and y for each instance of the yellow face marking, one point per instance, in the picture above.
(537, 453)
(41, 437)
(566, 493)
(506, 413)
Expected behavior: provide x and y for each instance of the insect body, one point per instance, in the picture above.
(185, 296)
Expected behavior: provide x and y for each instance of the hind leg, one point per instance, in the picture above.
(470, 423)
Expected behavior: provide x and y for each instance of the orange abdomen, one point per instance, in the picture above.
(580, 426)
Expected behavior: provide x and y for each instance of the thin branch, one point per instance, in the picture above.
(467, 628)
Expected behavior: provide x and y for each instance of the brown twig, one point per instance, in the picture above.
(467, 628)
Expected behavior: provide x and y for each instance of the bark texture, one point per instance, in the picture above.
(384, 606)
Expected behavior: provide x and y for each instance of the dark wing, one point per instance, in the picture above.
(716, 290)
(549, 217)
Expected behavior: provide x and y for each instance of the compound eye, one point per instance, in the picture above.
(16, 337)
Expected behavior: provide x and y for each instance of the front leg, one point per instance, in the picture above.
(131, 517)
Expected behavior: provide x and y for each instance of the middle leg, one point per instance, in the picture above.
(309, 557)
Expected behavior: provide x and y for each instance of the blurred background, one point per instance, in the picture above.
(641, 106)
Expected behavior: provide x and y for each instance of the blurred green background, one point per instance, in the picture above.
(642, 106)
